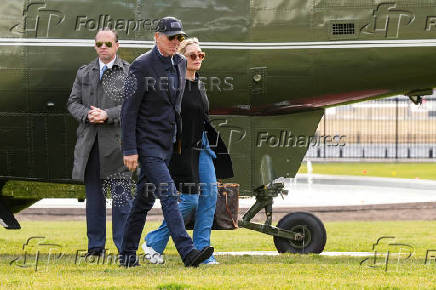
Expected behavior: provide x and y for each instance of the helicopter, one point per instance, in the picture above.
(273, 67)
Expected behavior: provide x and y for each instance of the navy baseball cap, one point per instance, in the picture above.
(170, 26)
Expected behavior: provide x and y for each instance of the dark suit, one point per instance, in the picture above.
(150, 119)
(98, 158)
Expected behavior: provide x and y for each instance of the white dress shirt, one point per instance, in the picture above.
(109, 65)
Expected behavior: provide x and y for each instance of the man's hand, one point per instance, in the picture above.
(131, 162)
(97, 115)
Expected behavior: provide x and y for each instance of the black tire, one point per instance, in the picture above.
(305, 223)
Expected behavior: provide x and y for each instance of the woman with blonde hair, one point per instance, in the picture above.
(193, 170)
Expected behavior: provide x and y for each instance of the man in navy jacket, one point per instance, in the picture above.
(151, 126)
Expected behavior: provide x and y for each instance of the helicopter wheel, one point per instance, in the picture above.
(310, 229)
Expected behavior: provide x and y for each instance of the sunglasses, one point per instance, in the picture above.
(194, 55)
(100, 44)
(180, 37)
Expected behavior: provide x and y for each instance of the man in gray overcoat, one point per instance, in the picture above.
(95, 102)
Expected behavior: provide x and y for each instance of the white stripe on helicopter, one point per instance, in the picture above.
(228, 45)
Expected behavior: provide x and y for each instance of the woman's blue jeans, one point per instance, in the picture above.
(202, 205)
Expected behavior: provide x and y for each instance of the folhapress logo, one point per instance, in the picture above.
(129, 26)
(38, 19)
(286, 139)
(387, 19)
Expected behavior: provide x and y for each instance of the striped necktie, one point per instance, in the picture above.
(104, 68)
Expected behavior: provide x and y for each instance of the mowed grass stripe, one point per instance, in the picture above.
(284, 271)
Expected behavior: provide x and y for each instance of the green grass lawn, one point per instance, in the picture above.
(396, 170)
(284, 271)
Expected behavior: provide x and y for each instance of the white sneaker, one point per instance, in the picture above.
(213, 263)
(151, 255)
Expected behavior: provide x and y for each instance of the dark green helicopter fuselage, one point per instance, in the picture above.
(271, 67)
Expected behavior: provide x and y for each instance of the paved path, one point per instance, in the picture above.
(323, 190)
(273, 253)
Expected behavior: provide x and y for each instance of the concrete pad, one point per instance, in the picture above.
(322, 190)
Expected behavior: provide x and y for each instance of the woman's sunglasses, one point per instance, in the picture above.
(180, 37)
(100, 44)
(200, 55)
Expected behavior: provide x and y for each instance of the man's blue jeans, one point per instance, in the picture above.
(202, 205)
